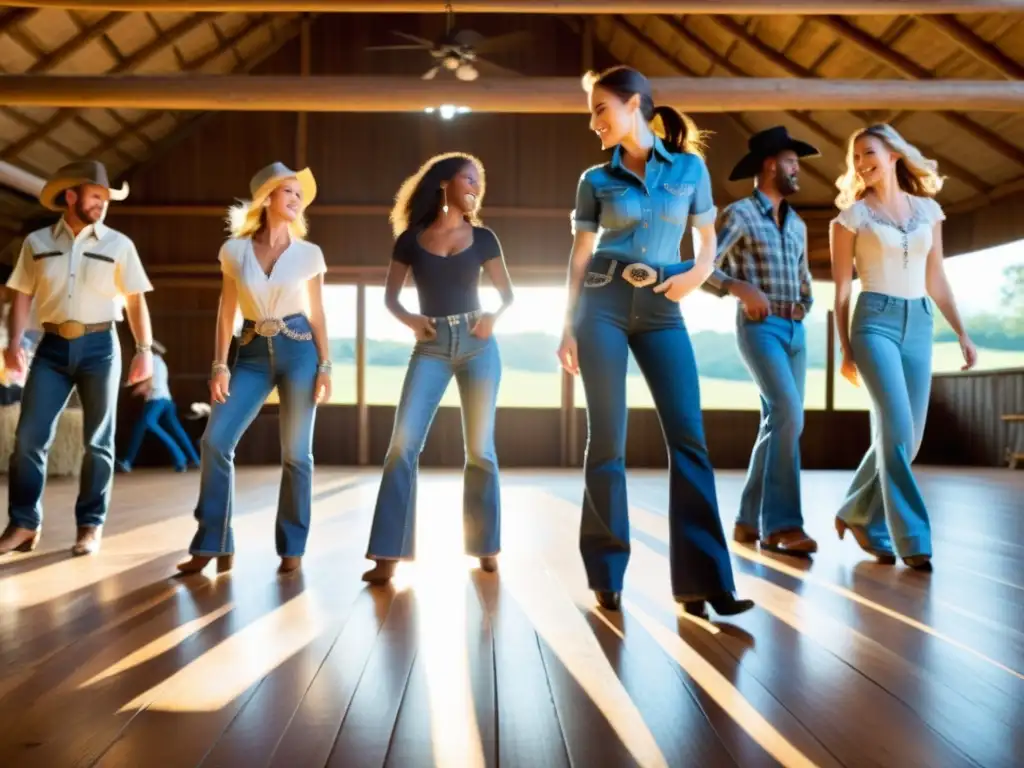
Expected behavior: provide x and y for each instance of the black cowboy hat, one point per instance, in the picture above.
(769, 143)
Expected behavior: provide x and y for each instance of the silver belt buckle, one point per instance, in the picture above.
(270, 327)
(639, 275)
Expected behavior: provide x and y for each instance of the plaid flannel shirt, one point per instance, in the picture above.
(754, 249)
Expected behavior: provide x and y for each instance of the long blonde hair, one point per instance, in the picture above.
(244, 219)
(915, 173)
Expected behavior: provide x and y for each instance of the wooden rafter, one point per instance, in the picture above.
(60, 54)
(130, 64)
(537, 95)
(14, 16)
(914, 71)
(969, 42)
(795, 70)
(642, 39)
(722, 7)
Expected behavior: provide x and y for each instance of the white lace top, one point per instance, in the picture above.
(891, 259)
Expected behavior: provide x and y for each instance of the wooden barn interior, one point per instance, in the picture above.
(109, 661)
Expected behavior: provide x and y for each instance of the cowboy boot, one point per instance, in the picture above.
(88, 542)
(17, 539)
(289, 564)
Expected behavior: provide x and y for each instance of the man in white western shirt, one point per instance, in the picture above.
(79, 273)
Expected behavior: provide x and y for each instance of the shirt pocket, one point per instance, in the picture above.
(619, 207)
(676, 200)
(99, 273)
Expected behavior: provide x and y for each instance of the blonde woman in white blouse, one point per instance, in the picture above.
(274, 276)
(890, 228)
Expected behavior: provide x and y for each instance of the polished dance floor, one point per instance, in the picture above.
(109, 661)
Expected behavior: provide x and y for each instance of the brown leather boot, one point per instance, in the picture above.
(17, 539)
(88, 542)
(199, 562)
(489, 563)
(790, 542)
(744, 534)
(289, 564)
(381, 573)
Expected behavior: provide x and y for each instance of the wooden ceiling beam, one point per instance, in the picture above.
(537, 95)
(915, 72)
(796, 70)
(719, 7)
(969, 42)
(14, 16)
(60, 54)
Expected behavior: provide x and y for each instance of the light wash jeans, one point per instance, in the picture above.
(892, 346)
(476, 365)
(92, 364)
(262, 364)
(775, 352)
(613, 318)
(161, 418)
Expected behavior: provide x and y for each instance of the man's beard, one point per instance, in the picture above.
(787, 184)
(87, 215)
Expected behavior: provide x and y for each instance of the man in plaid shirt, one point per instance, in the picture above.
(762, 261)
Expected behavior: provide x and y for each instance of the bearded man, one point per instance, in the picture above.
(762, 261)
(80, 274)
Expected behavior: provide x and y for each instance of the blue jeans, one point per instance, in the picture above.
(775, 351)
(262, 364)
(476, 366)
(157, 414)
(611, 320)
(892, 346)
(92, 363)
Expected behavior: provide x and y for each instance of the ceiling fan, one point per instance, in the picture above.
(459, 50)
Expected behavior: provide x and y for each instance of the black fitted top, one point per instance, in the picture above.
(447, 285)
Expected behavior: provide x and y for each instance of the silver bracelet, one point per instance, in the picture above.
(219, 368)
(324, 367)
(141, 349)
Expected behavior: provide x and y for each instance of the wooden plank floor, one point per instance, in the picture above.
(109, 661)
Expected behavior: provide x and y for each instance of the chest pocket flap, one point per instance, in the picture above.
(99, 273)
(619, 206)
(676, 201)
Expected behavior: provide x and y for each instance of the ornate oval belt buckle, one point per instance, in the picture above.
(639, 275)
(268, 327)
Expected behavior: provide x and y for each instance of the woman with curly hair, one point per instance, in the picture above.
(439, 237)
(890, 228)
(274, 277)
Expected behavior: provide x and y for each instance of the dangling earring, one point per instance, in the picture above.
(444, 203)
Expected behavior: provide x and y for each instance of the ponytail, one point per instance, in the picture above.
(680, 132)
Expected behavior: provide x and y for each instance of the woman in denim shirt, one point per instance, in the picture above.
(439, 238)
(274, 277)
(625, 282)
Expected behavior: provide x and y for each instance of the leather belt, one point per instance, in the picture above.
(72, 329)
(788, 310)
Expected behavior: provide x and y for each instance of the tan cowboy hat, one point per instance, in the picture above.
(73, 174)
(270, 178)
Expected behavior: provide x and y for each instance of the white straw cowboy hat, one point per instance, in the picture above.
(245, 217)
(73, 174)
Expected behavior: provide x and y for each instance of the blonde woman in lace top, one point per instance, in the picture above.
(890, 229)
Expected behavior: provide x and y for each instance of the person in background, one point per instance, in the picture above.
(625, 283)
(762, 258)
(439, 238)
(160, 416)
(274, 276)
(78, 274)
(890, 230)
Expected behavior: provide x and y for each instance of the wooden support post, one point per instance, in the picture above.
(830, 361)
(362, 409)
(302, 126)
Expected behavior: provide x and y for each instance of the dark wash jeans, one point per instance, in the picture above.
(611, 319)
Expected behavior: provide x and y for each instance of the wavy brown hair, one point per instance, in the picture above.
(419, 198)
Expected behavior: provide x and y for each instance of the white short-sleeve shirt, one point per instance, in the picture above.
(889, 259)
(83, 278)
(285, 291)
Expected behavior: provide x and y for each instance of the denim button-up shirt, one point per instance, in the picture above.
(644, 219)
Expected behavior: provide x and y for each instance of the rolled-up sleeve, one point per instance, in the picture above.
(703, 212)
(730, 233)
(23, 278)
(132, 278)
(585, 216)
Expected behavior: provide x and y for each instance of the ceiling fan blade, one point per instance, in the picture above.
(494, 70)
(396, 48)
(421, 40)
(431, 73)
(503, 42)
